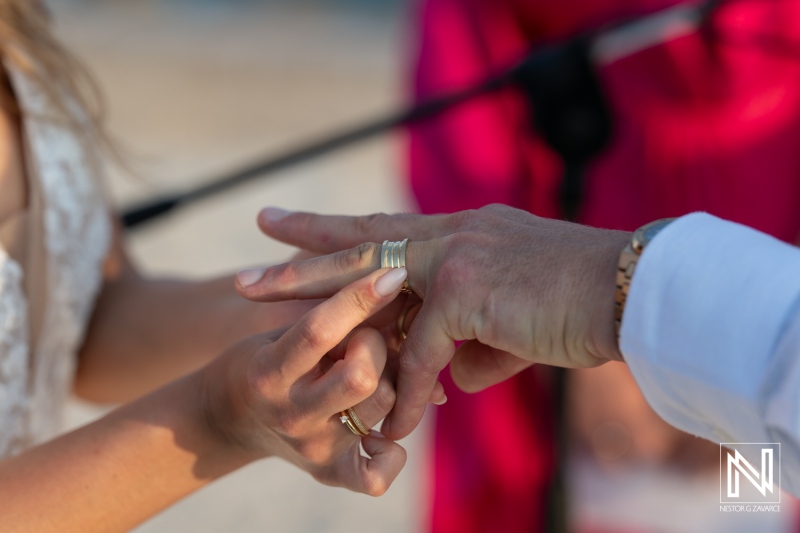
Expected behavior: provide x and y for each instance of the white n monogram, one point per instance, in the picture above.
(762, 481)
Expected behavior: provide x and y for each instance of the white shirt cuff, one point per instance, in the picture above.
(708, 303)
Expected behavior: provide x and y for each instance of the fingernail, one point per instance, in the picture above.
(441, 402)
(273, 214)
(376, 434)
(245, 278)
(391, 281)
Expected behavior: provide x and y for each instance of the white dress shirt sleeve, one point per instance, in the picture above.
(711, 333)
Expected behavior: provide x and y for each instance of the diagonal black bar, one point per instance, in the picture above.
(153, 209)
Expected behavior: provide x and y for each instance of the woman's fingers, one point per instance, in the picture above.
(371, 475)
(329, 233)
(300, 280)
(324, 327)
(354, 377)
(476, 366)
(323, 276)
(375, 408)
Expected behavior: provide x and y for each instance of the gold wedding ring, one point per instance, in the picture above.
(393, 255)
(351, 420)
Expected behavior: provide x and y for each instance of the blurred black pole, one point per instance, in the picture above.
(153, 209)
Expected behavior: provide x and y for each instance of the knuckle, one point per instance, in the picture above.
(360, 381)
(365, 254)
(456, 272)
(358, 258)
(368, 224)
(495, 208)
(314, 334)
(493, 214)
(419, 365)
(262, 379)
(461, 219)
(261, 385)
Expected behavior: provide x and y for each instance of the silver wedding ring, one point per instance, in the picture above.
(393, 255)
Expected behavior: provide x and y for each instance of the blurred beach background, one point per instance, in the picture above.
(196, 88)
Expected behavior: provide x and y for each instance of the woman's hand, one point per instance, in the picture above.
(518, 288)
(271, 395)
(281, 394)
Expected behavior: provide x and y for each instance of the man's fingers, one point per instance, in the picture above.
(426, 351)
(476, 366)
(324, 327)
(323, 276)
(331, 233)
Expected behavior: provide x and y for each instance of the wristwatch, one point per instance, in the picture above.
(627, 264)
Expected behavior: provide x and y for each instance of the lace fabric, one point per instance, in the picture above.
(36, 377)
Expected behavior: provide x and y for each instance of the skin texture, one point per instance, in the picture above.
(518, 289)
(273, 394)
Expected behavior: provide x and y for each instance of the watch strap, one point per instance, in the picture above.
(625, 268)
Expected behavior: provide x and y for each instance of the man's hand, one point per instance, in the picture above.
(518, 289)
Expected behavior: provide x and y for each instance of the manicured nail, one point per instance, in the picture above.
(391, 281)
(245, 278)
(273, 214)
(376, 434)
(441, 402)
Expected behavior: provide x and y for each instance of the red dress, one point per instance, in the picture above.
(700, 124)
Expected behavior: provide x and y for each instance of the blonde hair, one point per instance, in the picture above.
(28, 44)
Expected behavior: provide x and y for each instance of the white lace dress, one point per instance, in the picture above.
(35, 382)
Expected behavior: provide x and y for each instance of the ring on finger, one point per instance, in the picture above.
(393, 255)
(351, 420)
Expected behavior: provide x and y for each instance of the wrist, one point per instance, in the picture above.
(177, 413)
(626, 268)
(222, 409)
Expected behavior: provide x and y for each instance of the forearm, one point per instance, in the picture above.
(144, 333)
(710, 332)
(117, 471)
